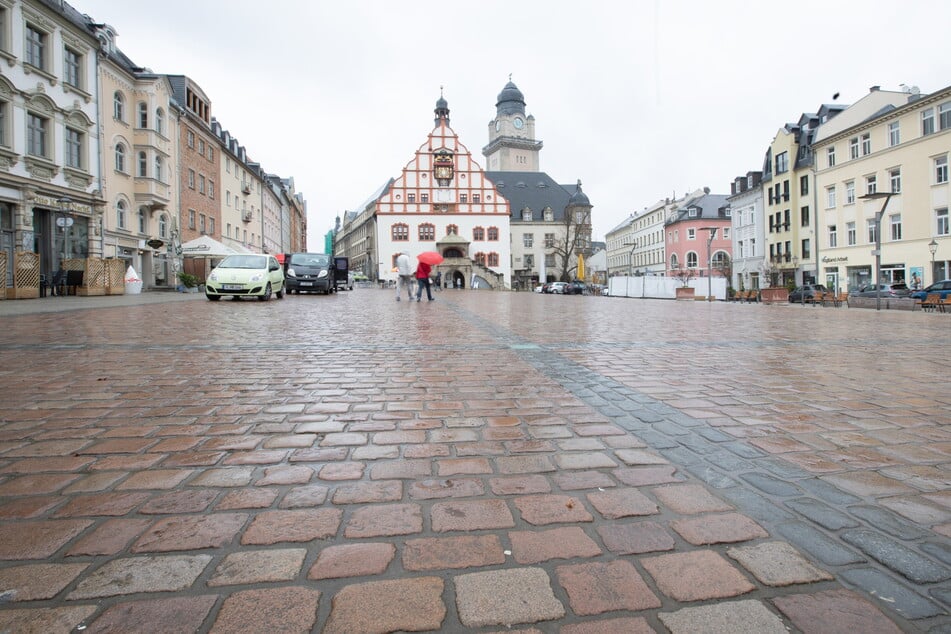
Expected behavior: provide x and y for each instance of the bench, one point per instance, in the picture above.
(931, 302)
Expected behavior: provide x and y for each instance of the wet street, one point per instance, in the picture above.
(486, 462)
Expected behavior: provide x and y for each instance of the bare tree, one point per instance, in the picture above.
(575, 239)
(724, 266)
(770, 273)
(684, 275)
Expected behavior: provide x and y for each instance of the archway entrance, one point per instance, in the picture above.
(458, 280)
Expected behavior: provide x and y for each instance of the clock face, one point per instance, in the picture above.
(498, 125)
(518, 123)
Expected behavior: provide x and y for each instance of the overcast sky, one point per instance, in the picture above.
(640, 100)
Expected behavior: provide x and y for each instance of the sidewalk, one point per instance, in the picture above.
(486, 461)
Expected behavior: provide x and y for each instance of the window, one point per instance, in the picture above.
(36, 135)
(476, 198)
(894, 179)
(120, 157)
(895, 224)
(211, 226)
(692, 212)
(158, 169)
(872, 229)
(411, 198)
(427, 232)
(4, 118)
(201, 183)
(399, 233)
(726, 233)
(854, 147)
(673, 262)
(478, 233)
(74, 148)
(850, 192)
(211, 153)
(803, 185)
(850, 235)
(493, 259)
(191, 218)
(143, 223)
(35, 52)
(529, 261)
(941, 221)
(549, 240)
(894, 134)
(201, 146)
(830, 197)
(201, 223)
(803, 216)
(424, 198)
(806, 249)
(866, 144)
(782, 162)
(72, 67)
(830, 156)
(691, 234)
(120, 214)
(492, 234)
(191, 179)
(211, 189)
(927, 121)
(527, 214)
(941, 170)
(160, 121)
(871, 184)
(190, 139)
(528, 240)
(691, 260)
(833, 241)
(143, 115)
(163, 226)
(944, 116)
(463, 198)
(143, 165)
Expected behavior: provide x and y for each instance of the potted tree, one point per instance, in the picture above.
(189, 282)
(685, 291)
(775, 293)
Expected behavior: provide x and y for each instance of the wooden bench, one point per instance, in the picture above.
(817, 299)
(840, 299)
(945, 304)
(931, 302)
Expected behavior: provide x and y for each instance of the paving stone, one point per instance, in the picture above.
(642, 476)
(895, 595)
(530, 547)
(132, 575)
(624, 625)
(96, 504)
(822, 514)
(696, 576)
(595, 588)
(868, 483)
(45, 620)
(689, 499)
(585, 460)
(718, 529)
(187, 501)
(777, 564)
(917, 509)
(286, 474)
(402, 469)
(225, 477)
(822, 547)
(352, 560)
(834, 611)
(470, 515)
(247, 499)
(462, 466)
(368, 492)
(624, 502)
(176, 614)
(896, 556)
(636, 538)
(273, 527)
(410, 605)
(343, 471)
(889, 522)
(524, 464)
(439, 488)
(154, 479)
(724, 618)
(307, 496)
(109, 538)
(575, 480)
(190, 532)
(37, 539)
(506, 597)
(290, 609)
(828, 492)
(772, 486)
(519, 485)
(384, 520)
(550, 509)
(640, 457)
(258, 566)
(36, 484)
(442, 553)
(35, 582)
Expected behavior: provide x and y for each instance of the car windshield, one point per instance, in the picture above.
(310, 259)
(244, 262)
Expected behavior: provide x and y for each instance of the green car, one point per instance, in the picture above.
(246, 276)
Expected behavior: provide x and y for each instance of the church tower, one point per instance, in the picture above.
(512, 146)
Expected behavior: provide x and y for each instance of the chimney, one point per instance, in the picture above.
(874, 88)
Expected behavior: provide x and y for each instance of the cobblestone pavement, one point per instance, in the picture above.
(487, 462)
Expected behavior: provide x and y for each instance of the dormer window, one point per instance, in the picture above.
(527, 214)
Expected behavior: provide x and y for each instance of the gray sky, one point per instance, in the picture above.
(638, 99)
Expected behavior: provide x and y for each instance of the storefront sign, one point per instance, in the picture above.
(155, 243)
(840, 258)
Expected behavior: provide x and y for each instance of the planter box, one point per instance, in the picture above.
(774, 295)
(685, 293)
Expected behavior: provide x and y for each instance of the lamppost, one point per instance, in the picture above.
(933, 247)
(713, 234)
(878, 242)
(802, 287)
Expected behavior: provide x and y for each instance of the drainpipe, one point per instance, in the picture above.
(102, 161)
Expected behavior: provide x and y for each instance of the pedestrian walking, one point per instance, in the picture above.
(439, 281)
(422, 279)
(404, 270)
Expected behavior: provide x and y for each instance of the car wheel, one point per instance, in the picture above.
(267, 293)
(280, 293)
(213, 298)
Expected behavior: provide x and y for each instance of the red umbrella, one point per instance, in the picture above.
(429, 257)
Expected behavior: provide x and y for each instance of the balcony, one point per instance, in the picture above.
(246, 189)
(247, 216)
(152, 193)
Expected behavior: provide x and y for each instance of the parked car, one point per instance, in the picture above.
(899, 289)
(575, 288)
(806, 292)
(240, 276)
(539, 288)
(942, 288)
(557, 288)
(310, 272)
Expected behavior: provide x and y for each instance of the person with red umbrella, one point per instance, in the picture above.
(426, 260)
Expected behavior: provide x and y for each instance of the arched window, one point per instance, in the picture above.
(427, 232)
(720, 261)
(118, 106)
(493, 259)
(163, 226)
(691, 259)
(480, 258)
(399, 233)
(120, 157)
(549, 214)
(143, 222)
(158, 168)
(674, 262)
(120, 214)
(492, 234)
(527, 214)
(478, 233)
(143, 114)
(143, 165)
(160, 121)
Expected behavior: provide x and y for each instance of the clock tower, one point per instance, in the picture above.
(512, 146)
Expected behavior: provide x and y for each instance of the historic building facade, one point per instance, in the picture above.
(748, 232)
(688, 236)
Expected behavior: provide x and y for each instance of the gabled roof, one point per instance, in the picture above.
(535, 190)
(709, 207)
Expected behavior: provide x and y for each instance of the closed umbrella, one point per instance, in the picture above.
(429, 257)
(580, 267)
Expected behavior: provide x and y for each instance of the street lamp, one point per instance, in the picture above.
(802, 290)
(878, 242)
(713, 234)
(630, 257)
(933, 247)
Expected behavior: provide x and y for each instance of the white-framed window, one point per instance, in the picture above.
(854, 147)
(143, 115)
(691, 234)
(894, 222)
(35, 47)
(726, 233)
(74, 148)
(941, 221)
(37, 135)
(143, 222)
(692, 260)
(850, 234)
(201, 183)
(191, 218)
(872, 229)
(850, 192)
(941, 170)
(211, 189)
(527, 214)
(830, 197)
(4, 122)
(160, 121)
(894, 134)
(830, 156)
(944, 116)
(159, 169)
(4, 25)
(833, 236)
(894, 179)
(191, 179)
(120, 214)
(118, 106)
(163, 226)
(190, 139)
(927, 121)
(871, 184)
(72, 67)
(201, 146)
(782, 162)
(866, 144)
(143, 165)
(528, 240)
(120, 157)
